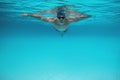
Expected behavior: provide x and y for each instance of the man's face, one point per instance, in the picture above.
(61, 19)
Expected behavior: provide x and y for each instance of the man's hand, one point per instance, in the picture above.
(35, 15)
(25, 14)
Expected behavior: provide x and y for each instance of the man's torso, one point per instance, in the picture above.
(61, 26)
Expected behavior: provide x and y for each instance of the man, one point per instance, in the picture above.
(63, 17)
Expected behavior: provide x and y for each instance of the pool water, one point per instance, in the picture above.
(31, 49)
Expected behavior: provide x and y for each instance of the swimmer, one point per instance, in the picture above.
(62, 20)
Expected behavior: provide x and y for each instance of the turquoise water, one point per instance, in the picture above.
(33, 50)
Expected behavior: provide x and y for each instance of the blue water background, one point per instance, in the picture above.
(33, 50)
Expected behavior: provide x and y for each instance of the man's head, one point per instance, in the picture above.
(61, 16)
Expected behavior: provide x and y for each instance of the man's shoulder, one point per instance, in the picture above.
(51, 19)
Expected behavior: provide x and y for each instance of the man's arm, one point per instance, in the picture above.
(78, 17)
(48, 19)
